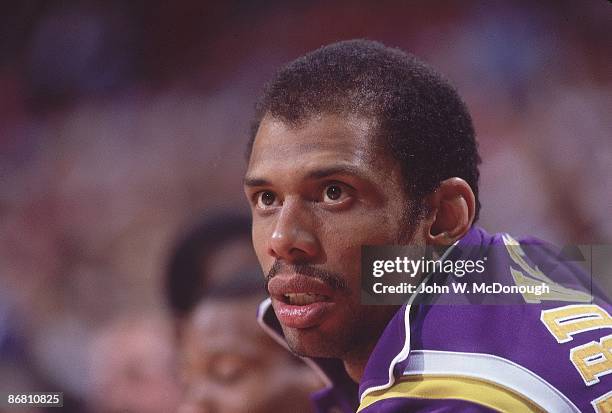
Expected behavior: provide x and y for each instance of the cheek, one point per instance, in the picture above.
(278, 390)
(249, 396)
(343, 240)
(261, 238)
(352, 231)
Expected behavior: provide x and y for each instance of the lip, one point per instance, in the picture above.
(300, 316)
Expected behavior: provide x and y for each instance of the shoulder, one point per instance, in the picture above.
(549, 353)
(530, 358)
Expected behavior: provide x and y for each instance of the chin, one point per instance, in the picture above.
(312, 342)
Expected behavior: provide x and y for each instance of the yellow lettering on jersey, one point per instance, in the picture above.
(564, 322)
(603, 404)
(556, 292)
(528, 275)
(593, 360)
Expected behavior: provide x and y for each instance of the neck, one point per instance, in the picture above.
(355, 363)
(355, 359)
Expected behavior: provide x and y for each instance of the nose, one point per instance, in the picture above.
(294, 235)
(200, 399)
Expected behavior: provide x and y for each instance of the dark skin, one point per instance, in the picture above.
(318, 192)
(227, 357)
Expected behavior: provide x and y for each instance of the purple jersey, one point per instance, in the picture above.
(551, 355)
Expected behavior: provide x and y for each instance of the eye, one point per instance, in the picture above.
(334, 193)
(266, 199)
(228, 370)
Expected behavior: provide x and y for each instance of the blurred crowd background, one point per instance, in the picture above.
(122, 124)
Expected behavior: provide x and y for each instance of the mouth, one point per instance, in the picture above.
(300, 299)
(301, 302)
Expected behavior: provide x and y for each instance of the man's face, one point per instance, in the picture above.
(318, 192)
(231, 365)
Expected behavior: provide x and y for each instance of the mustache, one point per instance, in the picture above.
(333, 280)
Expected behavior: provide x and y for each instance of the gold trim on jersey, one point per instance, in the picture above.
(603, 404)
(478, 391)
(532, 275)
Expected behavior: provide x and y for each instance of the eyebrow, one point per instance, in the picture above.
(316, 174)
(255, 182)
(335, 170)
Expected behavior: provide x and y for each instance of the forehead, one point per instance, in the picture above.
(220, 326)
(343, 139)
(232, 314)
(224, 320)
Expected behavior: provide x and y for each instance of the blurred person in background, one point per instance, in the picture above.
(132, 367)
(211, 252)
(230, 365)
(225, 357)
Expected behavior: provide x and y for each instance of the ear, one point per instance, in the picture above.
(452, 208)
